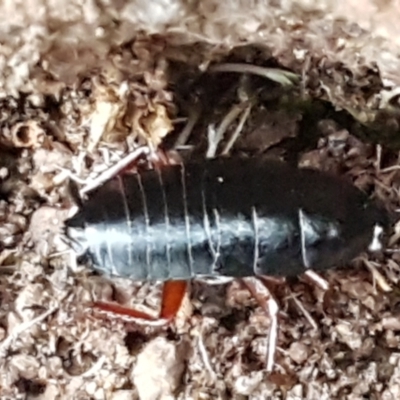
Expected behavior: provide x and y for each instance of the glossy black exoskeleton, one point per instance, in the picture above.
(225, 217)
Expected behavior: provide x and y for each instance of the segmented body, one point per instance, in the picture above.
(223, 217)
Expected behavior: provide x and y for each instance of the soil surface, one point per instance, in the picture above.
(340, 343)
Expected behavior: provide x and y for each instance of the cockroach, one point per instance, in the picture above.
(222, 217)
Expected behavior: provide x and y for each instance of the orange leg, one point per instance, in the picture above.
(115, 308)
(172, 296)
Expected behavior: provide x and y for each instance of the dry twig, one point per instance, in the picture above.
(22, 328)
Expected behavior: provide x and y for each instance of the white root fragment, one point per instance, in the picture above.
(378, 161)
(390, 169)
(238, 130)
(112, 171)
(22, 328)
(216, 135)
(265, 299)
(187, 130)
(377, 276)
(273, 334)
(213, 142)
(285, 78)
(96, 367)
(204, 356)
(308, 316)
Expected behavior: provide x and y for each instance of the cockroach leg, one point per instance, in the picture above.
(160, 158)
(115, 169)
(172, 296)
(317, 279)
(265, 299)
(155, 157)
(117, 309)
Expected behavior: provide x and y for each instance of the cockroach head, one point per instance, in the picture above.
(74, 233)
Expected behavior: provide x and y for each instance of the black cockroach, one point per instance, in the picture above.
(224, 217)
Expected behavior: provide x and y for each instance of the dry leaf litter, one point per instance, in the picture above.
(341, 344)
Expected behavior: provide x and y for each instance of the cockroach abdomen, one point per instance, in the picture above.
(225, 217)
